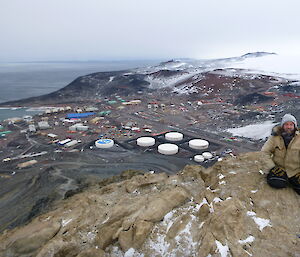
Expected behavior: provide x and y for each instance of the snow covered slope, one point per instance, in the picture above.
(182, 74)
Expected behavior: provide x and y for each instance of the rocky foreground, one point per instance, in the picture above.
(225, 210)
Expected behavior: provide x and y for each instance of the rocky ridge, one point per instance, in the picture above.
(225, 210)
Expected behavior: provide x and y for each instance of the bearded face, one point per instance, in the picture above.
(289, 127)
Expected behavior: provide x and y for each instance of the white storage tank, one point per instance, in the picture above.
(207, 155)
(174, 136)
(199, 158)
(145, 141)
(168, 149)
(198, 144)
(104, 143)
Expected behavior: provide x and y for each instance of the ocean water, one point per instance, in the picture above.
(6, 113)
(23, 80)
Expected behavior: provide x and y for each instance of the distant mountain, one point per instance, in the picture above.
(256, 54)
(190, 77)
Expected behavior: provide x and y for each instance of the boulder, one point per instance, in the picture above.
(158, 207)
(29, 239)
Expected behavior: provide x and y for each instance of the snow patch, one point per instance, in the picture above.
(249, 239)
(222, 249)
(185, 90)
(221, 176)
(262, 223)
(286, 66)
(160, 246)
(204, 201)
(117, 252)
(217, 200)
(215, 190)
(254, 131)
(129, 252)
(162, 82)
(168, 219)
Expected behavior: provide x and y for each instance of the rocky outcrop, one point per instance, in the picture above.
(225, 210)
(86, 87)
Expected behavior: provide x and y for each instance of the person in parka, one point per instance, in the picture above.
(283, 148)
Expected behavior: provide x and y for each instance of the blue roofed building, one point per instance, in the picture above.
(79, 115)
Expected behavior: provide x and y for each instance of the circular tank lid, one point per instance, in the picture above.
(104, 143)
(198, 144)
(174, 136)
(198, 158)
(145, 141)
(207, 155)
(168, 149)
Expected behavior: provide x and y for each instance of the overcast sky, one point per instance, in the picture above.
(38, 30)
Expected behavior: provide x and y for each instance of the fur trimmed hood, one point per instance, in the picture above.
(277, 131)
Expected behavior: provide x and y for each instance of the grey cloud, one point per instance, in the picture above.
(122, 29)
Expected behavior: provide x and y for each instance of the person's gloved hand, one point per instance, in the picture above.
(278, 172)
(277, 178)
(295, 182)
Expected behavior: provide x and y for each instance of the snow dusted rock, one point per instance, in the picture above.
(225, 210)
